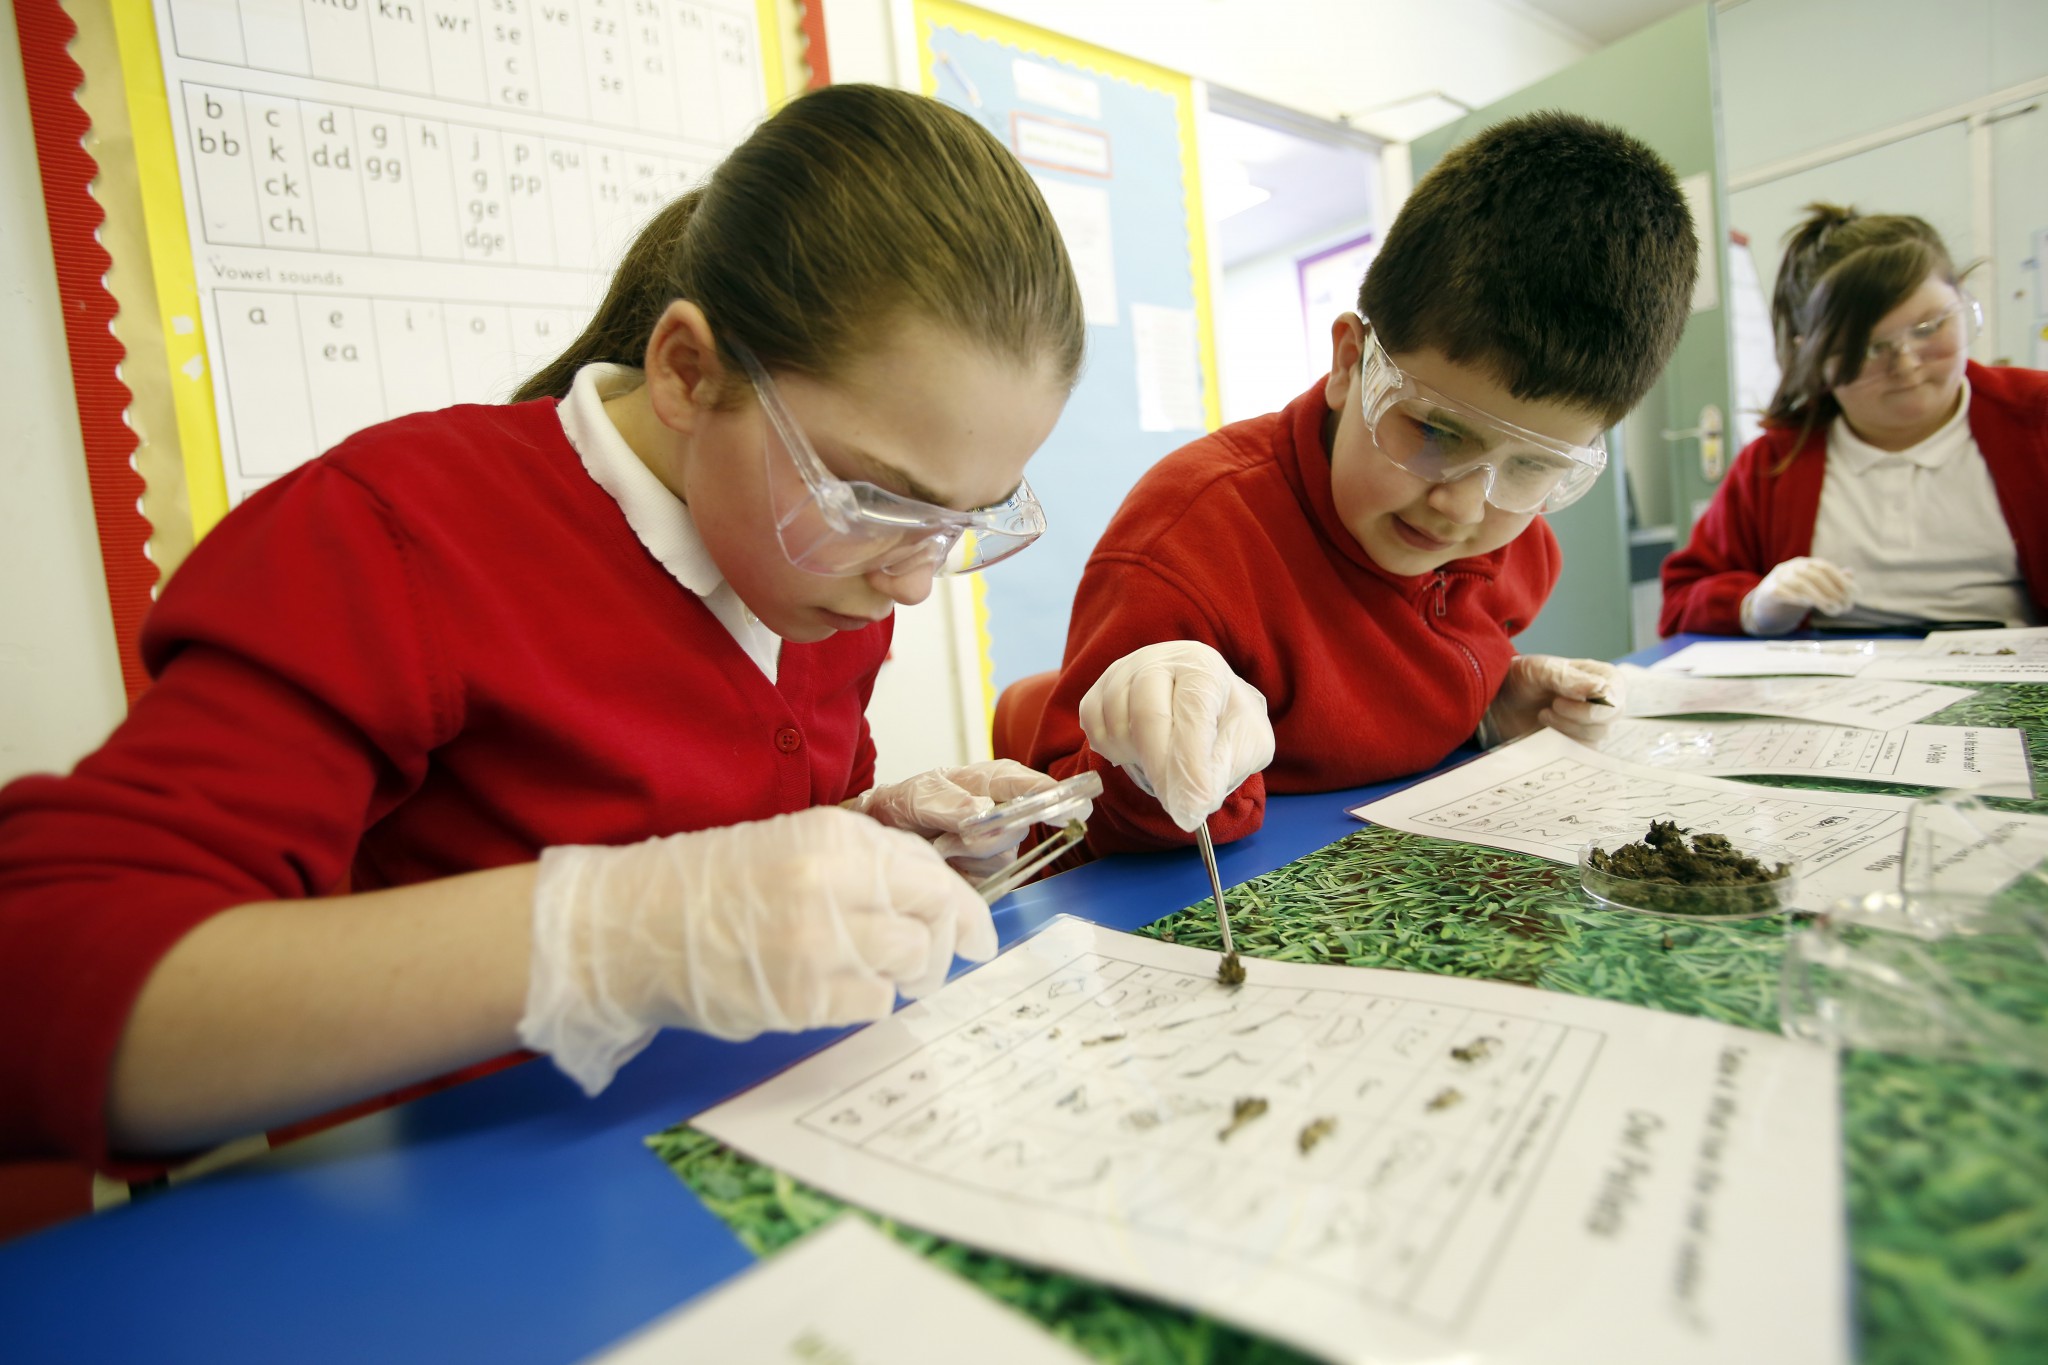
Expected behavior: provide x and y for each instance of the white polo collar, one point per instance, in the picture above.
(1932, 453)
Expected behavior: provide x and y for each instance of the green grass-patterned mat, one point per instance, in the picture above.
(1947, 1164)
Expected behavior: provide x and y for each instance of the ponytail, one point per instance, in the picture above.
(849, 208)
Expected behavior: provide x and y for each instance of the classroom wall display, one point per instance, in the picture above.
(1111, 143)
(350, 212)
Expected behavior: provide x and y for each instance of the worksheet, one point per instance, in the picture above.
(1372, 1165)
(846, 1294)
(1832, 701)
(1947, 756)
(394, 207)
(1995, 656)
(1547, 795)
(1760, 658)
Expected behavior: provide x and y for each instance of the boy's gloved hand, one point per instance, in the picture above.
(1184, 726)
(937, 803)
(801, 921)
(1542, 689)
(1795, 587)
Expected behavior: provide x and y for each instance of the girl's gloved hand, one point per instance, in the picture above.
(939, 803)
(810, 920)
(1186, 728)
(1790, 591)
(1542, 689)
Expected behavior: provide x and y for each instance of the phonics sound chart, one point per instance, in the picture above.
(1373, 1165)
(401, 205)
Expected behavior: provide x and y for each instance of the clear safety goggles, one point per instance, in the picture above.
(843, 528)
(1935, 339)
(1442, 440)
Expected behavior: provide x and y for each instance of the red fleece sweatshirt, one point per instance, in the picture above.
(1234, 540)
(436, 649)
(1760, 519)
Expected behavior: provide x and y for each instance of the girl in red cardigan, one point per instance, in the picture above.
(1897, 483)
(535, 723)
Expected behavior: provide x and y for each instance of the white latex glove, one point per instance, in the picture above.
(1184, 726)
(802, 921)
(1795, 587)
(1542, 689)
(936, 804)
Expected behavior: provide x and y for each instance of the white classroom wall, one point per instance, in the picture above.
(60, 681)
(1267, 349)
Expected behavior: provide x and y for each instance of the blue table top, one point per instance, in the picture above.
(508, 1219)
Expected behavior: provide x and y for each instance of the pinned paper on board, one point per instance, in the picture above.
(1369, 1165)
(1169, 368)
(1082, 214)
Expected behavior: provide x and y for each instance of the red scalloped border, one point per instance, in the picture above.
(74, 215)
(813, 26)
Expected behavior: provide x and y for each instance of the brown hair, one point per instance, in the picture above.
(1841, 273)
(1554, 251)
(853, 205)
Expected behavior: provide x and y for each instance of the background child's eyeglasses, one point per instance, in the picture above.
(1936, 338)
(842, 528)
(1442, 440)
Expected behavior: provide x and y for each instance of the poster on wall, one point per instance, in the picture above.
(1329, 286)
(398, 207)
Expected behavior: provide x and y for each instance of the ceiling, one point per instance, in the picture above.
(1372, 63)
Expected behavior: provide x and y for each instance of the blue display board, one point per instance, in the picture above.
(1125, 139)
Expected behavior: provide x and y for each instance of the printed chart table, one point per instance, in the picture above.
(396, 206)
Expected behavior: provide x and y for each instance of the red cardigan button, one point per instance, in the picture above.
(788, 740)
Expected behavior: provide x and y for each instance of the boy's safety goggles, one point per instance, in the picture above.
(1442, 440)
(841, 528)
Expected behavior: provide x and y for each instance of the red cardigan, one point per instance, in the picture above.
(436, 649)
(1234, 540)
(1759, 519)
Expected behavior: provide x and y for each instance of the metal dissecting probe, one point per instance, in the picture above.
(1230, 971)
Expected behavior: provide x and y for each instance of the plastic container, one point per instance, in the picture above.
(1670, 900)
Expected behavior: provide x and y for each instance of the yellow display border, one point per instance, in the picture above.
(1032, 40)
(170, 264)
(170, 241)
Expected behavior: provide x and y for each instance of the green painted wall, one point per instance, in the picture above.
(1660, 85)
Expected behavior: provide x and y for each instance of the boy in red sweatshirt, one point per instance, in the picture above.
(1332, 589)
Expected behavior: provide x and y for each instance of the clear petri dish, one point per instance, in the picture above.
(1669, 899)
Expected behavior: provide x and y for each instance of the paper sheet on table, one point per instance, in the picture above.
(1510, 1174)
(846, 1292)
(1547, 795)
(1761, 658)
(2000, 656)
(1916, 755)
(1832, 701)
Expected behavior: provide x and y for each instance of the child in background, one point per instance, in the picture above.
(1334, 587)
(534, 723)
(1897, 483)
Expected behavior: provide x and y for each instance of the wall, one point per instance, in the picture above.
(60, 683)
(1889, 63)
(1265, 354)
